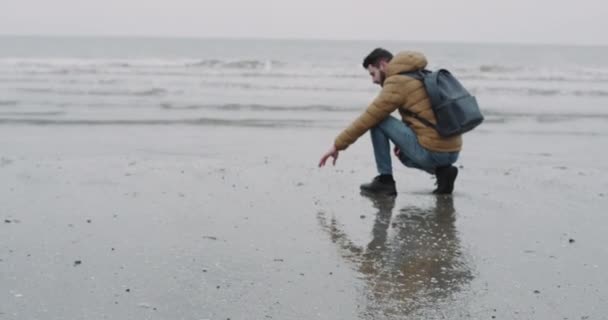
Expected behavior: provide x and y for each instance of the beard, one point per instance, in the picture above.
(382, 78)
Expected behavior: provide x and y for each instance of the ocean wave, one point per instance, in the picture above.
(569, 133)
(205, 63)
(52, 69)
(112, 90)
(253, 86)
(259, 107)
(248, 63)
(8, 103)
(264, 123)
(237, 64)
(36, 120)
(83, 63)
(536, 78)
(31, 113)
(541, 91)
(149, 92)
(544, 92)
(254, 71)
(68, 81)
(565, 115)
(90, 64)
(498, 68)
(179, 67)
(298, 74)
(142, 93)
(532, 73)
(590, 93)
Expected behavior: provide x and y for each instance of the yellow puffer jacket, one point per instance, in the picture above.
(403, 93)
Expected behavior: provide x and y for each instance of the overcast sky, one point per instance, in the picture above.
(528, 21)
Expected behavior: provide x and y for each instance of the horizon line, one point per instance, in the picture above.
(271, 38)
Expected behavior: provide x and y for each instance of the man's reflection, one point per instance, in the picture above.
(414, 259)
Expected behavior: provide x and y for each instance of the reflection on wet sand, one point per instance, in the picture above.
(413, 261)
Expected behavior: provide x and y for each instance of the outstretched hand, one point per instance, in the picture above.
(397, 151)
(333, 152)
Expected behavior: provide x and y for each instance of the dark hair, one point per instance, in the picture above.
(376, 56)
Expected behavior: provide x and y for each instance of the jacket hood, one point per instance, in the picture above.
(406, 61)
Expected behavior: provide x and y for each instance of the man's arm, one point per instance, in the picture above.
(387, 101)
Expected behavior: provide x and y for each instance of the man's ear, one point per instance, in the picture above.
(383, 64)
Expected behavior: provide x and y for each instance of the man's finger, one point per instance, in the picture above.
(324, 159)
(335, 158)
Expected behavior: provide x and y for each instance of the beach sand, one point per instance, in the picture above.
(237, 222)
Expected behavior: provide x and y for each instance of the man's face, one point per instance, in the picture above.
(377, 72)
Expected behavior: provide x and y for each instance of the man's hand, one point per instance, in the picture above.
(397, 151)
(333, 152)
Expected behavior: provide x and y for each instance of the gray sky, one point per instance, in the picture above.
(529, 21)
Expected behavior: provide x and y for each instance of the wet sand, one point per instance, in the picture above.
(236, 222)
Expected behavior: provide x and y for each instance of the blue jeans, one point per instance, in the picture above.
(412, 154)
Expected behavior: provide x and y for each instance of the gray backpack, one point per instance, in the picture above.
(456, 110)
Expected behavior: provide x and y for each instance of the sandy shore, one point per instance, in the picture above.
(221, 222)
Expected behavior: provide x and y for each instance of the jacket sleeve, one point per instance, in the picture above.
(388, 100)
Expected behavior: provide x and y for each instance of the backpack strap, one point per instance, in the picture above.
(422, 75)
(432, 87)
(418, 74)
(419, 118)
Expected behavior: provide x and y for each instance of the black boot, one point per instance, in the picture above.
(445, 179)
(381, 185)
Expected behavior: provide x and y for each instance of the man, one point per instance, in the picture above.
(416, 145)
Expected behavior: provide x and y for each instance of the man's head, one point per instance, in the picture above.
(376, 63)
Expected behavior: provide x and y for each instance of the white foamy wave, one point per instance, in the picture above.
(258, 107)
(548, 92)
(238, 64)
(520, 73)
(251, 68)
(8, 102)
(95, 92)
(498, 69)
(138, 63)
